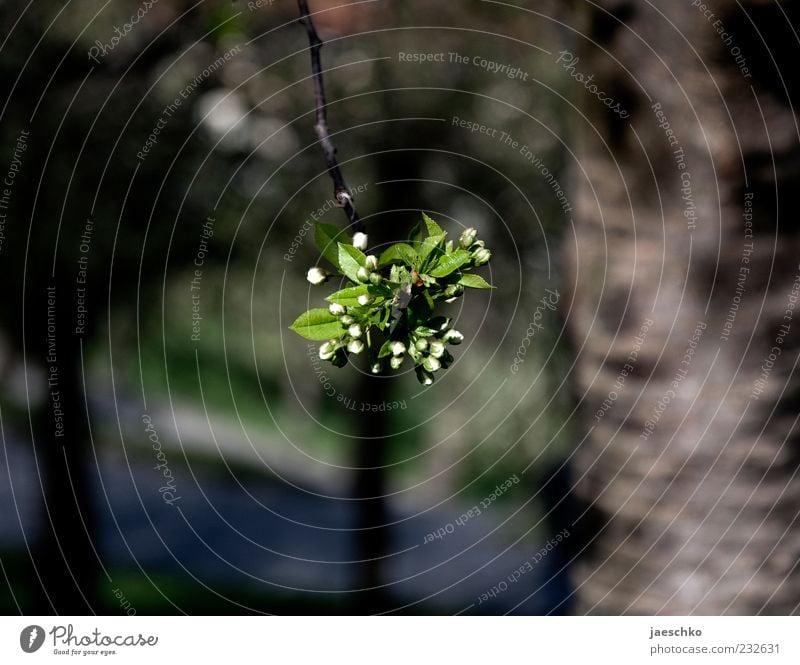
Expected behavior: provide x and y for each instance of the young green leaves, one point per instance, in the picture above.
(388, 310)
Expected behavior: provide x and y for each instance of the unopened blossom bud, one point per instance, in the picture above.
(431, 364)
(421, 344)
(396, 361)
(452, 336)
(424, 377)
(481, 256)
(355, 346)
(347, 320)
(372, 262)
(375, 279)
(360, 241)
(354, 331)
(467, 237)
(478, 244)
(327, 350)
(436, 348)
(376, 368)
(362, 274)
(454, 290)
(316, 275)
(336, 309)
(397, 348)
(364, 299)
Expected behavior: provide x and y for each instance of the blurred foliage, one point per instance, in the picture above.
(240, 149)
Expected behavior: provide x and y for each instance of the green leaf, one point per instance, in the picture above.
(433, 228)
(431, 247)
(350, 260)
(448, 248)
(415, 236)
(327, 237)
(450, 262)
(399, 253)
(424, 331)
(386, 349)
(474, 282)
(349, 296)
(317, 325)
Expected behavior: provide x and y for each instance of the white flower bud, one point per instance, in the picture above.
(421, 344)
(336, 309)
(355, 346)
(375, 279)
(360, 241)
(467, 237)
(354, 331)
(327, 350)
(347, 320)
(452, 336)
(376, 368)
(436, 348)
(397, 348)
(431, 364)
(316, 275)
(450, 301)
(425, 378)
(396, 361)
(371, 262)
(362, 274)
(481, 256)
(364, 299)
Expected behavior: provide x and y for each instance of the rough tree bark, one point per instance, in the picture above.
(689, 473)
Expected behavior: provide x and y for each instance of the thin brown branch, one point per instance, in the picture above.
(340, 191)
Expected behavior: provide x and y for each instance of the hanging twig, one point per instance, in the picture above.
(340, 191)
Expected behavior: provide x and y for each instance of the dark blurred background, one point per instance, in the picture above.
(617, 434)
(278, 492)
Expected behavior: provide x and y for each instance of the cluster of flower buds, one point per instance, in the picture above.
(368, 273)
(336, 350)
(469, 241)
(428, 351)
(386, 311)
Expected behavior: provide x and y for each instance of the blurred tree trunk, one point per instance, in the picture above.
(690, 477)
